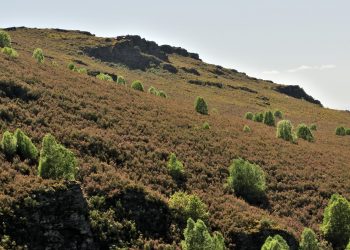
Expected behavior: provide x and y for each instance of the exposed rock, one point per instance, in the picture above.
(210, 84)
(54, 219)
(191, 71)
(297, 92)
(170, 68)
(246, 89)
(136, 52)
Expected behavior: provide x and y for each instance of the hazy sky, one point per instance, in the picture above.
(305, 42)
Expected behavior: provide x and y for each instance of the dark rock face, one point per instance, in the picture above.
(137, 53)
(191, 71)
(210, 84)
(297, 92)
(170, 68)
(246, 89)
(53, 219)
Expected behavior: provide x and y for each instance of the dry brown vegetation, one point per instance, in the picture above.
(122, 139)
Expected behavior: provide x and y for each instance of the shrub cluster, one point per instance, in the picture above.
(201, 106)
(336, 221)
(246, 129)
(121, 80)
(308, 240)
(175, 167)
(275, 243)
(72, 67)
(137, 85)
(197, 237)
(5, 39)
(305, 133)
(206, 125)
(104, 77)
(285, 130)
(258, 117)
(152, 90)
(38, 55)
(10, 52)
(340, 131)
(18, 143)
(188, 206)
(56, 162)
(313, 127)
(269, 118)
(278, 114)
(249, 116)
(247, 180)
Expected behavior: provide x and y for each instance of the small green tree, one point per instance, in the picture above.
(71, 66)
(340, 131)
(188, 206)
(269, 119)
(305, 133)
(10, 52)
(247, 180)
(25, 147)
(201, 106)
(5, 39)
(258, 117)
(308, 240)
(336, 221)
(285, 130)
(275, 243)
(206, 125)
(175, 167)
(56, 162)
(313, 127)
(197, 237)
(9, 144)
(152, 90)
(347, 131)
(249, 116)
(161, 93)
(38, 55)
(121, 80)
(137, 85)
(247, 129)
(278, 114)
(104, 77)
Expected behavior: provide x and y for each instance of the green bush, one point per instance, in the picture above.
(152, 90)
(25, 147)
(305, 133)
(206, 125)
(269, 119)
(275, 243)
(285, 130)
(347, 131)
(348, 246)
(5, 39)
(121, 80)
(197, 237)
(137, 85)
(71, 66)
(161, 93)
(340, 131)
(336, 221)
(81, 70)
(246, 129)
(56, 162)
(9, 144)
(308, 240)
(258, 117)
(38, 54)
(201, 106)
(104, 77)
(188, 206)
(247, 180)
(313, 127)
(10, 52)
(249, 116)
(278, 114)
(175, 167)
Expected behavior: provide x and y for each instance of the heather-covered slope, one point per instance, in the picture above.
(122, 139)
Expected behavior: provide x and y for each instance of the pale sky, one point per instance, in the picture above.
(304, 42)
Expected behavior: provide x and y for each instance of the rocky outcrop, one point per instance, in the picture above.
(297, 92)
(191, 71)
(52, 219)
(207, 83)
(137, 53)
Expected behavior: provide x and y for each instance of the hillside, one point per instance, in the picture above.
(122, 139)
